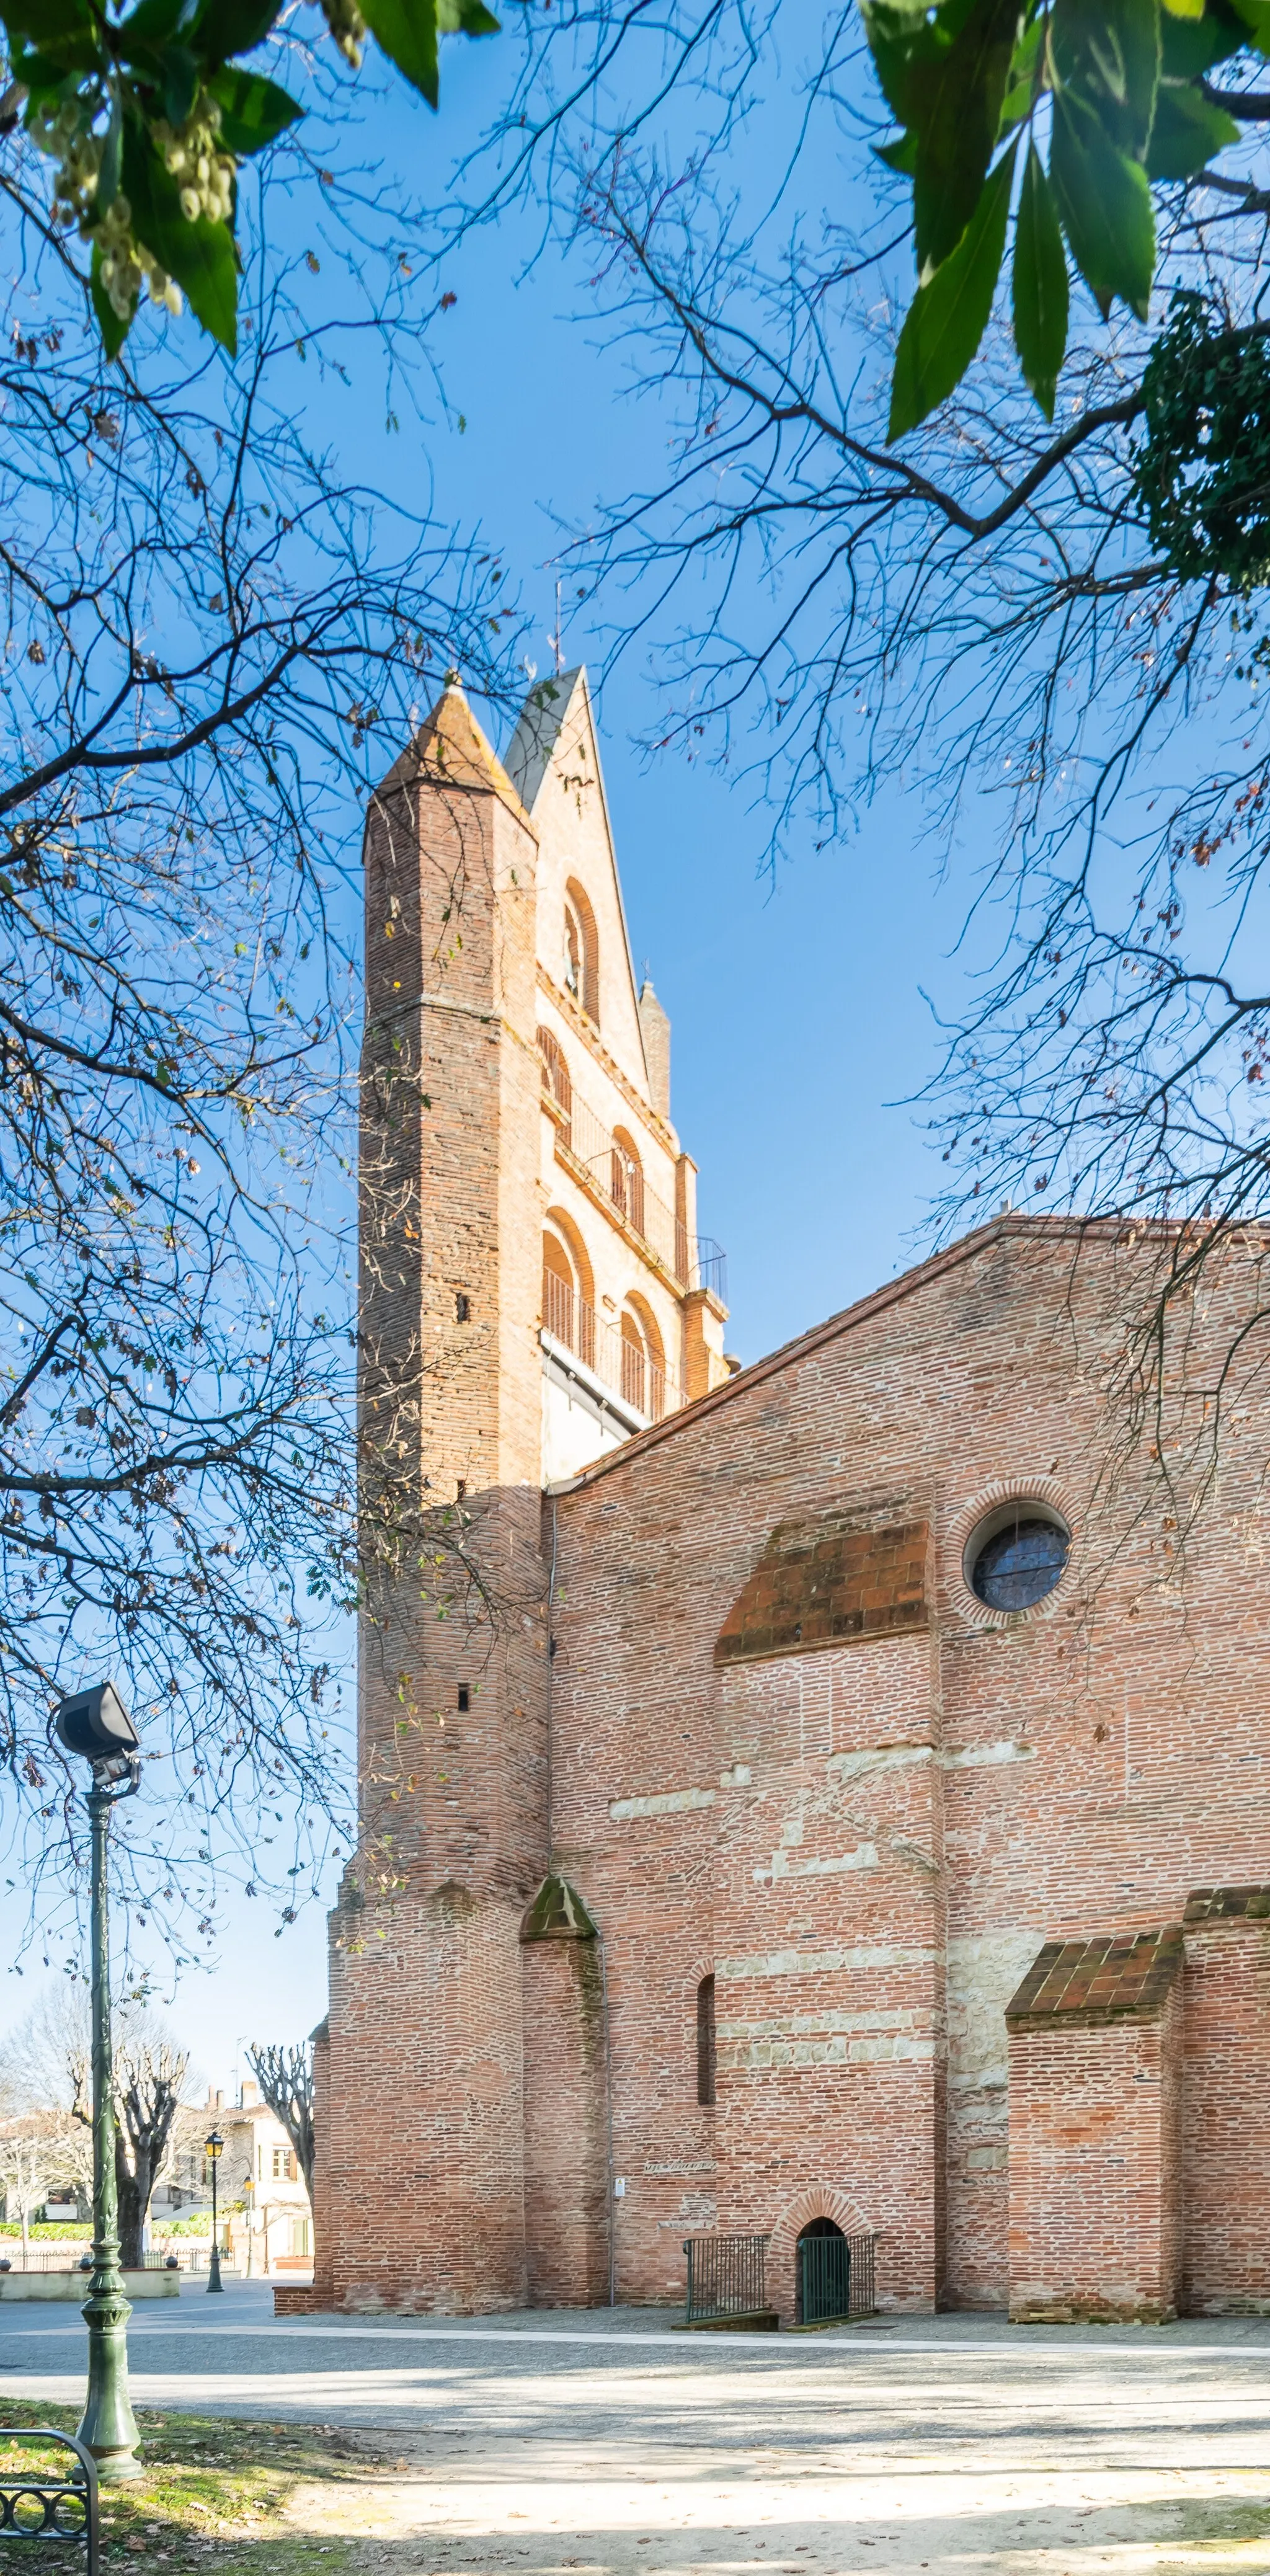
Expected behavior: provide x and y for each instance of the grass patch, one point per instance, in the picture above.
(212, 2498)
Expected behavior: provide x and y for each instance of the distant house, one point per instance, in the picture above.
(260, 2190)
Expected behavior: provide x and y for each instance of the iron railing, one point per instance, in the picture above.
(712, 1268)
(615, 1166)
(619, 1173)
(624, 1365)
(43, 2505)
(71, 2258)
(727, 2276)
(835, 2278)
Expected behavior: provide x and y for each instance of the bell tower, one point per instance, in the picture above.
(425, 2022)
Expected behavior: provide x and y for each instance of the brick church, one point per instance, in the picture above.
(828, 1795)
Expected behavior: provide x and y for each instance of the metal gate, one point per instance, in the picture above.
(726, 2276)
(835, 2278)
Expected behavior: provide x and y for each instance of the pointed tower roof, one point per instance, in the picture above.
(541, 723)
(450, 750)
(553, 704)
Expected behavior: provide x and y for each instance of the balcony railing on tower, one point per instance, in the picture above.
(610, 1166)
(601, 1346)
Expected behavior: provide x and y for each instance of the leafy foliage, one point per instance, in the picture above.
(1203, 472)
(148, 116)
(1119, 87)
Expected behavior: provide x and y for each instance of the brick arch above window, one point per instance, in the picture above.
(580, 968)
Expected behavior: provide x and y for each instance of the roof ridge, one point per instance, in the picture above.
(936, 1266)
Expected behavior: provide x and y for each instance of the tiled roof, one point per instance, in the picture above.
(1099, 1980)
(1227, 1905)
(450, 750)
(820, 1583)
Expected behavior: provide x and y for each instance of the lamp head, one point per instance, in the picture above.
(96, 1725)
(215, 2145)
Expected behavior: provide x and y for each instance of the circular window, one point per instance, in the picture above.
(1017, 1555)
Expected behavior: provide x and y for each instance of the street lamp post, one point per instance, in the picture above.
(215, 2148)
(96, 1725)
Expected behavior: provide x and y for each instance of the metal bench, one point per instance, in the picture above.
(44, 2507)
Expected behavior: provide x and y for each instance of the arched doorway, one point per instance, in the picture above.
(822, 2287)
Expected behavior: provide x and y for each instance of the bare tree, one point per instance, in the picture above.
(210, 633)
(1053, 638)
(285, 2077)
(51, 2057)
(150, 2078)
(36, 2151)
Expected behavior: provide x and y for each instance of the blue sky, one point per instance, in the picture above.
(798, 1020)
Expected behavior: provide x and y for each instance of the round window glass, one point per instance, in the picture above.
(1020, 1563)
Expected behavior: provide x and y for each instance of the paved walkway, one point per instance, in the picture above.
(606, 2443)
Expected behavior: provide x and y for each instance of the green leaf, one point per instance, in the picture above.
(466, 18)
(1184, 8)
(1039, 285)
(900, 36)
(956, 111)
(45, 21)
(199, 256)
(900, 155)
(408, 32)
(179, 73)
(1021, 85)
(1104, 202)
(253, 110)
(42, 71)
(1189, 46)
(946, 320)
(154, 23)
(1255, 15)
(113, 331)
(227, 27)
(1187, 131)
(1106, 54)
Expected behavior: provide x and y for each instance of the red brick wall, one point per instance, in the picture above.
(424, 2140)
(1226, 2150)
(868, 1842)
(566, 2169)
(425, 2188)
(1094, 2168)
(863, 1841)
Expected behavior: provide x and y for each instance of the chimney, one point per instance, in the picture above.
(656, 1033)
(249, 2096)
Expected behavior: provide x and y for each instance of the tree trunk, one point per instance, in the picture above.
(134, 2200)
(25, 2216)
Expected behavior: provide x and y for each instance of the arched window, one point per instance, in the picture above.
(580, 963)
(634, 1363)
(555, 1073)
(568, 1310)
(643, 1360)
(626, 1179)
(706, 2050)
(559, 1292)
